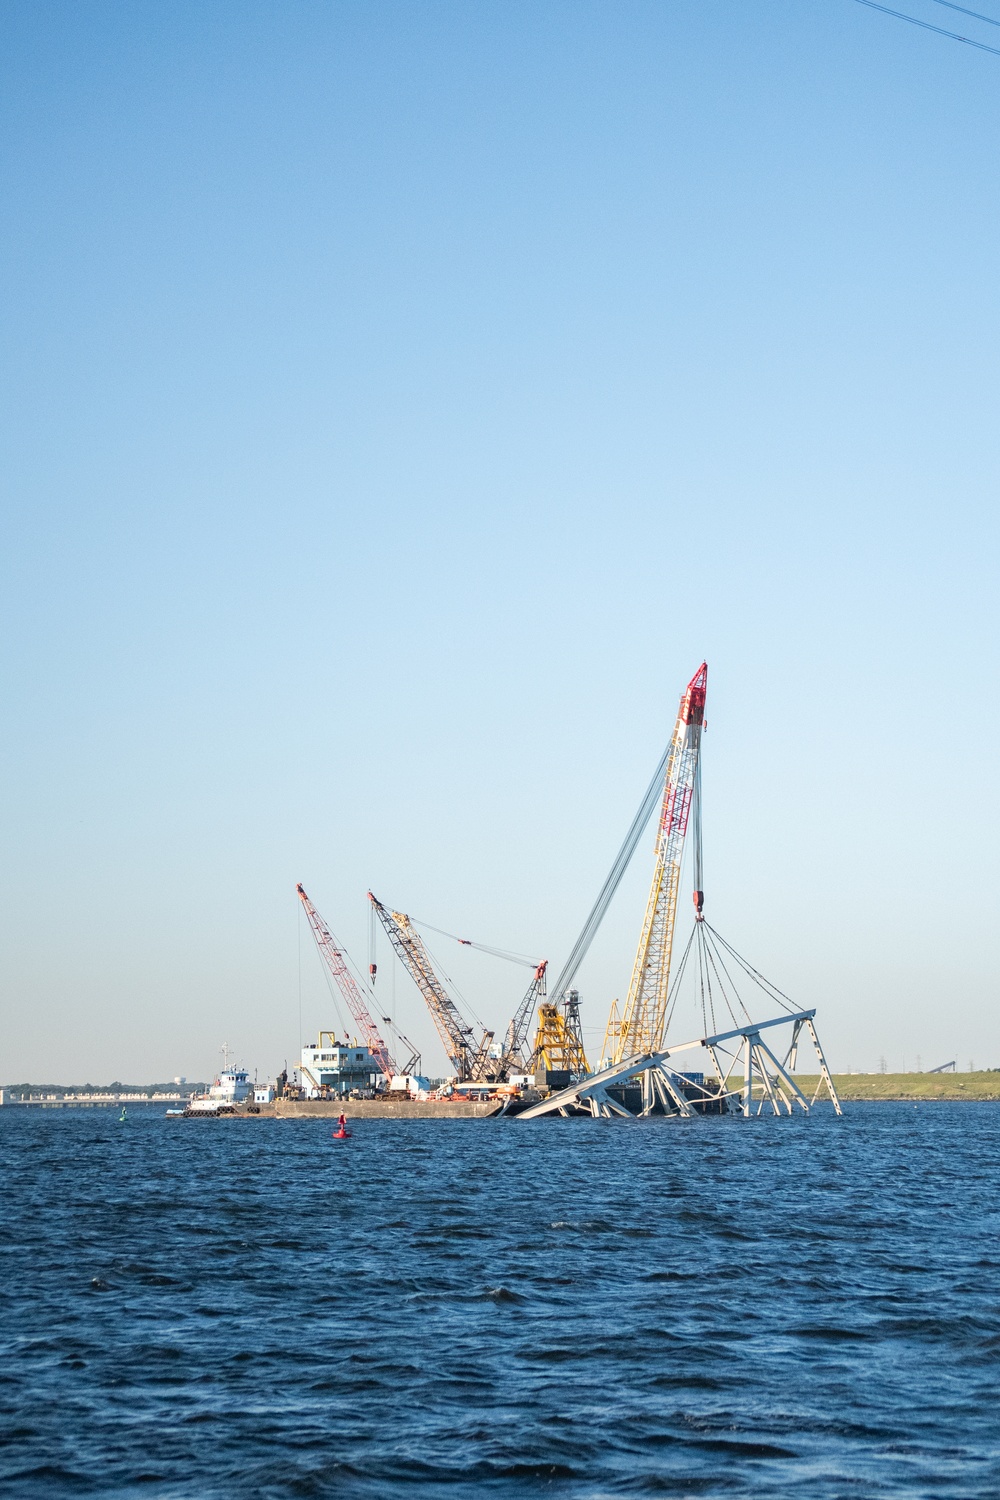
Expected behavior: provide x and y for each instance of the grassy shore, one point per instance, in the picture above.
(909, 1085)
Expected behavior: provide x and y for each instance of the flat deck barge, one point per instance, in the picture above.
(359, 1109)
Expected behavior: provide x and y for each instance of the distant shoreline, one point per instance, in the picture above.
(974, 1088)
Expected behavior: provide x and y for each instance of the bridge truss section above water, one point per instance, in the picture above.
(747, 1077)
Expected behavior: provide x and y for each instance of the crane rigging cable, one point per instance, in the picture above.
(440, 969)
(954, 35)
(714, 980)
(514, 958)
(365, 985)
(974, 13)
(778, 996)
(338, 1013)
(711, 961)
(615, 876)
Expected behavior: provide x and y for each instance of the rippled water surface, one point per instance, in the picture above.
(480, 1308)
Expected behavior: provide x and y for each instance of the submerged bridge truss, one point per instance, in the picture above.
(748, 1078)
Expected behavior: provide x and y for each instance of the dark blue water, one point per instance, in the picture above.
(571, 1308)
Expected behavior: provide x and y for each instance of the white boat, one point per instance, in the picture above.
(230, 1087)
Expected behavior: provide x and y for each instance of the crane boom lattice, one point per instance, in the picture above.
(559, 1038)
(643, 1017)
(469, 1058)
(517, 1032)
(333, 956)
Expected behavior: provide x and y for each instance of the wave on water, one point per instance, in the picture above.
(489, 1311)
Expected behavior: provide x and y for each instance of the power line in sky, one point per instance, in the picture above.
(951, 6)
(954, 35)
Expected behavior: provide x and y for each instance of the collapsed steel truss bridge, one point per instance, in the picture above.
(748, 1078)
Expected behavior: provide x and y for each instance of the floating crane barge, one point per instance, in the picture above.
(641, 1073)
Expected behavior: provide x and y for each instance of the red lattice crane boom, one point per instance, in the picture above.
(333, 956)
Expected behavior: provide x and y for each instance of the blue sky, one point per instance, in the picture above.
(400, 400)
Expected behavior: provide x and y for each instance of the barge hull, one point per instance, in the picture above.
(355, 1109)
(385, 1109)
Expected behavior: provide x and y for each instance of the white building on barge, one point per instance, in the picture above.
(332, 1068)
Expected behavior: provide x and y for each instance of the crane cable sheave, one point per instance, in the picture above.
(643, 1018)
(333, 956)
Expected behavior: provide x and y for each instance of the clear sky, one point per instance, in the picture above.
(400, 400)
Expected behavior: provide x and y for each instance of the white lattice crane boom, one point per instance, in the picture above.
(470, 1059)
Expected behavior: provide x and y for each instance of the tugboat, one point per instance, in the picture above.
(229, 1088)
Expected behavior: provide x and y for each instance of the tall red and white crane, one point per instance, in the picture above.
(644, 1015)
(333, 956)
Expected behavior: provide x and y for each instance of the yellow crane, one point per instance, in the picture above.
(642, 1022)
(559, 1038)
